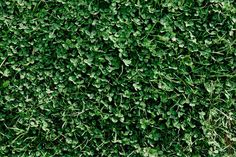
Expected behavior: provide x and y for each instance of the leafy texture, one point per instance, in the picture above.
(117, 78)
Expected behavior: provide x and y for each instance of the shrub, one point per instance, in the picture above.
(117, 78)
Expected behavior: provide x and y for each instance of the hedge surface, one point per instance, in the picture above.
(117, 78)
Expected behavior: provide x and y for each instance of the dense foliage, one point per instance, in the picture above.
(117, 78)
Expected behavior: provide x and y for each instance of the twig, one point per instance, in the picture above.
(3, 62)
(122, 68)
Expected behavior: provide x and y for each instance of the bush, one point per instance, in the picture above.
(117, 78)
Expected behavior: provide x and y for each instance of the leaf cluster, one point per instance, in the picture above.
(117, 78)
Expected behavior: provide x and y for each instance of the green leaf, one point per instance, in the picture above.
(5, 84)
(137, 86)
(209, 87)
(6, 73)
(126, 62)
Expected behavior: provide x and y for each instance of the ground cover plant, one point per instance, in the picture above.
(117, 78)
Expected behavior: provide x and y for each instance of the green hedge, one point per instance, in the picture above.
(117, 78)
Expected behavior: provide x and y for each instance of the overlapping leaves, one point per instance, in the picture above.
(117, 78)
